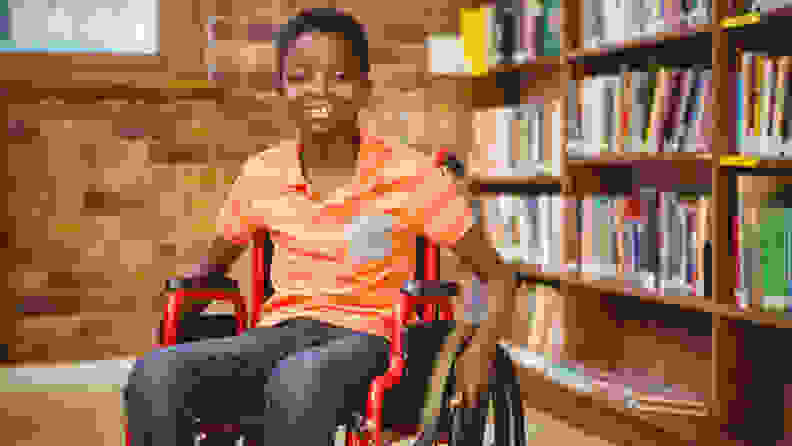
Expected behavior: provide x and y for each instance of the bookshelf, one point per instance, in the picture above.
(739, 368)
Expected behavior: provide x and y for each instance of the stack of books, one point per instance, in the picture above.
(660, 110)
(521, 140)
(526, 229)
(608, 22)
(655, 241)
(763, 111)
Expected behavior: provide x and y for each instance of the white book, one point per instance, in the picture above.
(555, 246)
(627, 18)
(546, 228)
(701, 14)
(610, 16)
(587, 117)
(503, 142)
(684, 249)
(598, 116)
(555, 140)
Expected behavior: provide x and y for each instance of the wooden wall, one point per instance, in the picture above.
(107, 200)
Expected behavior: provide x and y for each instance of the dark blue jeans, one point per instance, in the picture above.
(289, 384)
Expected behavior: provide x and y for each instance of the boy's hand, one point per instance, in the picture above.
(472, 375)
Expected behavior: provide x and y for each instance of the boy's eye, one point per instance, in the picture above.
(297, 76)
(340, 76)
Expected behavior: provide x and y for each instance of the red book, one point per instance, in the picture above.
(737, 254)
(703, 125)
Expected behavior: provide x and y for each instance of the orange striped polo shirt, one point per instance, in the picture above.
(342, 260)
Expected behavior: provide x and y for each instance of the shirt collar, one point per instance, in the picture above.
(369, 148)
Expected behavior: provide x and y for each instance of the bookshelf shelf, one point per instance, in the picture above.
(624, 288)
(618, 159)
(698, 33)
(514, 184)
(755, 164)
(539, 64)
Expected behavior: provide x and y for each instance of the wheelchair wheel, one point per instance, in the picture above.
(468, 426)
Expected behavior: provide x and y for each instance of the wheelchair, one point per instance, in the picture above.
(385, 416)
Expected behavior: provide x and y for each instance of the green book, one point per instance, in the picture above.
(771, 239)
(551, 27)
(5, 29)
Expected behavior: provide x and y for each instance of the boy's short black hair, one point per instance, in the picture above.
(323, 20)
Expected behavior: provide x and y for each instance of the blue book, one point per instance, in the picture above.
(739, 112)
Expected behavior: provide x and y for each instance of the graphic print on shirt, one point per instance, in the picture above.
(369, 238)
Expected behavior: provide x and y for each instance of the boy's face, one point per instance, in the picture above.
(323, 83)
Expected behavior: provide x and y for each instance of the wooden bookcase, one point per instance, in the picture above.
(740, 369)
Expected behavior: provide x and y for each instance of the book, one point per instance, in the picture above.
(551, 31)
(474, 25)
(703, 124)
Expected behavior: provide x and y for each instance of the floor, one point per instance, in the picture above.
(43, 402)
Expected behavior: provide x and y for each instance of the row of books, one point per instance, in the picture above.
(522, 140)
(613, 21)
(660, 110)
(526, 229)
(763, 110)
(763, 238)
(501, 32)
(635, 390)
(656, 240)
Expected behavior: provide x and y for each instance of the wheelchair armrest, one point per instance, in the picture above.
(208, 288)
(212, 281)
(434, 288)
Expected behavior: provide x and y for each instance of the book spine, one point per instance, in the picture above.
(664, 94)
(587, 117)
(650, 252)
(678, 121)
(740, 134)
(617, 138)
(655, 110)
(767, 88)
(704, 124)
(692, 234)
(786, 110)
(671, 101)
(503, 142)
(555, 139)
(608, 114)
(688, 142)
(778, 117)
(757, 95)
(528, 29)
(638, 111)
(703, 235)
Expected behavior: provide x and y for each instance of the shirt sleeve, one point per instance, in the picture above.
(441, 213)
(235, 221)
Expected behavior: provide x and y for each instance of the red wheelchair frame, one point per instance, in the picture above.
(433, 294)
(403, 313)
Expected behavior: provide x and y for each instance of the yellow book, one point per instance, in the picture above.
(473, 22)
(758, 79)
(656, 113)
